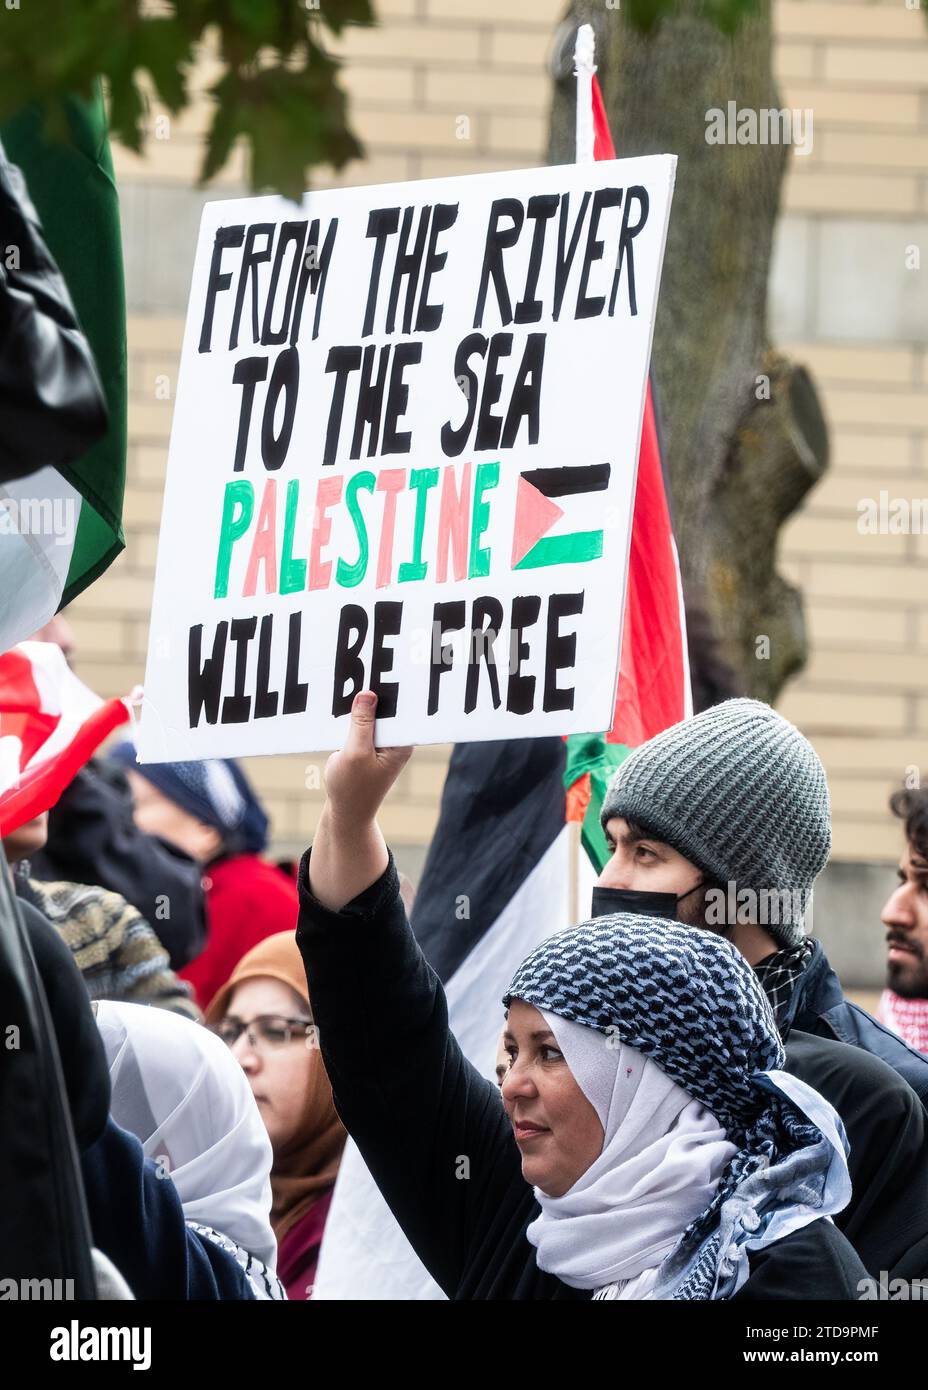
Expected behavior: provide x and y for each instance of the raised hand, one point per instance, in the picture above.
(359, 776)
(349, 852)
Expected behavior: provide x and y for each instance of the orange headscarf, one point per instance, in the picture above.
(307, 1170)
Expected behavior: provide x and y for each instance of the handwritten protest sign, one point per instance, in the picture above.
(403, 456)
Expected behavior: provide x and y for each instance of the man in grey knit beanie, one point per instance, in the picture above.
(741, 794)
(722, 822)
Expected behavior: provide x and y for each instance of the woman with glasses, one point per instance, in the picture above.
(263, 1016)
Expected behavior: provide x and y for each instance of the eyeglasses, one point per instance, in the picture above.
(267, 1032)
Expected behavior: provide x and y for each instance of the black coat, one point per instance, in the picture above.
(818, 1006)
(51, 402)
(886, 1219)
(138, 1222)
(56, 1094)
(433, 1131)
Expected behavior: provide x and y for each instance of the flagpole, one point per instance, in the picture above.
(574, 850)
(584, 68)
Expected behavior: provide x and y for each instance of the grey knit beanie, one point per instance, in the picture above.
(742, 794)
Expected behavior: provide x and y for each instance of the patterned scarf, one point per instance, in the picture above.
(906, 1017)
(689, 1000)
(778, 975)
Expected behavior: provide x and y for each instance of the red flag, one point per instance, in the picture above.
(50, 725)
(653, 689)
(603, 147)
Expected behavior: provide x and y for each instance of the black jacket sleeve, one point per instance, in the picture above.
(137, 1220)
(815, 1263)
(886, 1219)
(92, 838)
(431, 1129)
(51, 402)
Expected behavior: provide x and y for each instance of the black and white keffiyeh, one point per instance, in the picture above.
(689, 1001)
(778, 975)
(263, 1281)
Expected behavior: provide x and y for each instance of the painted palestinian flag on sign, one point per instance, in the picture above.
(61, 526)
(50, 725)
(537, 513)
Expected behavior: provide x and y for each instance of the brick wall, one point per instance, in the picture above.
(842, 300)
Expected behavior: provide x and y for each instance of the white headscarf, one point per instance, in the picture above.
(179, 1090)
(663, 1154)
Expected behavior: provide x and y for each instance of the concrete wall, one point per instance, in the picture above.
(843, 299)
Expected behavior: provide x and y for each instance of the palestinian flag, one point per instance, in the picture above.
(503, 870)
(50, 725)
(62, 526)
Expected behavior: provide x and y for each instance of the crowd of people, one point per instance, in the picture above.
(686, 1106)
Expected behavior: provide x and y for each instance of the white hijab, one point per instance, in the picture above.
(663, 1154)
(179, 1090)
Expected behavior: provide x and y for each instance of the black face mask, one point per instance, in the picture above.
(609, 900)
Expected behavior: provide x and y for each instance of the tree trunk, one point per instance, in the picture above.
(742, 430)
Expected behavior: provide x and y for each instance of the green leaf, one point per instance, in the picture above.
(647, 15)
(225, 128)
(728, 15)
(165, 51)
(336, 17)
(127, 110)
(293, 115)
(292, 120)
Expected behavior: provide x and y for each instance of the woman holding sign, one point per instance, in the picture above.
(645, 1144)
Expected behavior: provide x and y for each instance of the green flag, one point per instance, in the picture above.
(71, 183)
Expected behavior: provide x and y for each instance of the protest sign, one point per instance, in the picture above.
(403, 456)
